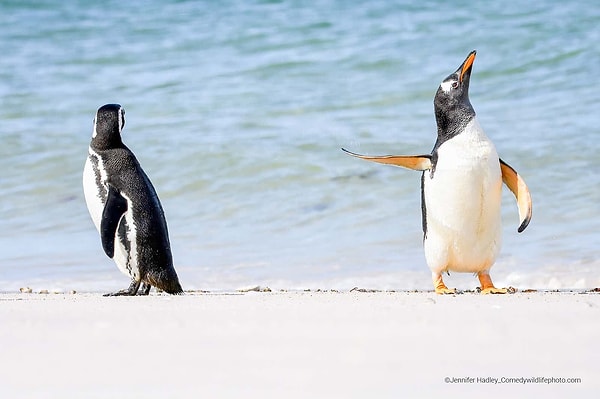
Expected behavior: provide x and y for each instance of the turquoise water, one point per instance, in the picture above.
(237, 112)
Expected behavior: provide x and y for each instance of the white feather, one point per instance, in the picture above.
(463, 204)
(93, 199)
(447, 86)
(94, 132)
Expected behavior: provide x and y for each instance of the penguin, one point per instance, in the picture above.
(461, 188)
(125, 208)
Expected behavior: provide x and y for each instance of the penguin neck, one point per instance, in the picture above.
(102, 143)
(450, 122)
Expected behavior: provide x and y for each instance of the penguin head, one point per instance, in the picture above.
(108, 124)
(452, 97)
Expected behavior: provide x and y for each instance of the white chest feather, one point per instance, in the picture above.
(463, 201)
(94, 186)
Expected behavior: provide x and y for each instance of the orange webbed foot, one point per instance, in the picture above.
(494, 290)
(440, 287)
(487, 286)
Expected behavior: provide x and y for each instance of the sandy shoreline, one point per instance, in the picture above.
(299, 344)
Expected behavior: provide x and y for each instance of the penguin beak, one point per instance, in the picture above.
(466, 65)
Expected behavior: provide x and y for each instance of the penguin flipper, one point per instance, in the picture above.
(517, 185)
(114, 208)
(414, 162)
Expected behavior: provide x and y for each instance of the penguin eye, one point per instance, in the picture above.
(454, 84)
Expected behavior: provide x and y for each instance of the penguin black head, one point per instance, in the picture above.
(451, 100)
(108, 124)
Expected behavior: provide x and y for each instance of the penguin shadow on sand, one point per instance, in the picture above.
(126, 210)
(461, 188)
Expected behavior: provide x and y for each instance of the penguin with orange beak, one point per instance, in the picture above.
(461, 188)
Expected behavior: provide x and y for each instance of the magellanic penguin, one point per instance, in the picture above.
(125, 208)
(461, 188)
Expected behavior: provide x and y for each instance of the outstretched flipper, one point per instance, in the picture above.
(414, 162)
(114, 209)
(517, 185)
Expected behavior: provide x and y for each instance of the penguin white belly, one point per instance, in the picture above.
(462, 202)
(94, 186)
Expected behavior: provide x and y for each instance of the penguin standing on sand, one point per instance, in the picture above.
(461, 188)
(125, 208)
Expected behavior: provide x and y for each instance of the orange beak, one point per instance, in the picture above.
(467, 64)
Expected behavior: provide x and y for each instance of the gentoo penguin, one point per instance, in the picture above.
(461, 188)
(125, 208)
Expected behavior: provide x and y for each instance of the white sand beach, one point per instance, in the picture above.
(299, 345)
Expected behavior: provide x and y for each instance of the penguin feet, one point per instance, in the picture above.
(145, 289)
(440, 287)
(131, 291)
(487, 287)
(444, 290)
(493, 290)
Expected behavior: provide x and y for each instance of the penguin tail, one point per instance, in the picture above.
(166, 281)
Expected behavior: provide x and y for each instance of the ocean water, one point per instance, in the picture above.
(237, 111)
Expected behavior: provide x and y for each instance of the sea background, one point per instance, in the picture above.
(237, 111)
